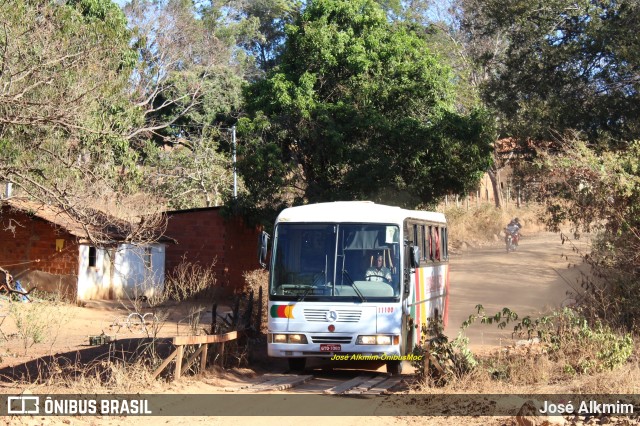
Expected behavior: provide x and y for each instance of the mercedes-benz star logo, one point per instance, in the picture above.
(332, 316)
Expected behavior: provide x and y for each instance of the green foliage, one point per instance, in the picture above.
(217, 94)
(39, 321)
(190, 176)
(256, 28)
(582, 347)
(358, 108)
(559, 65)
(187, 79)
(501, 319)
(599, 192)
(566, 338)
(60, 122)
(453, 358)
(269, 18)
(188, 84)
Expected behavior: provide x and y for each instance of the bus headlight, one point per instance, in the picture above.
(289, 338)
(373, 340)
(297, 338)
(279, 338)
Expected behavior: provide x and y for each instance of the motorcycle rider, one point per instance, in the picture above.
(513, 228)
(515, 222)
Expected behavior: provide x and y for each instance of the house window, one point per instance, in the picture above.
(92, 257)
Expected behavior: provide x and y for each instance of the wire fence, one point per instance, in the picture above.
(509, 197)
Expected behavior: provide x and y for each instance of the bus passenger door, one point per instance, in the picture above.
(408, 298)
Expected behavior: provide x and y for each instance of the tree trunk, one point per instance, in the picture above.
(494, 176)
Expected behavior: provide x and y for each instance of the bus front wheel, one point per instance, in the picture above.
(394, 367)
(297, 364)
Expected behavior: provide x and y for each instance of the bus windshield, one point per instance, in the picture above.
(332, 261)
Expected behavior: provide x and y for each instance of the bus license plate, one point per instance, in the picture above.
(330, 348)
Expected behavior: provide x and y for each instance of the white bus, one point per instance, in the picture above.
(354, 280)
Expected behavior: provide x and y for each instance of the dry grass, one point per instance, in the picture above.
(256, 280)
(531, 369)
(40, 321)
(189, 279)
(484, 223)
(537, 374)
(625, 380)
(104, 376)
(113, 376)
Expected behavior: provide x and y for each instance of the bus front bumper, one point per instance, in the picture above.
(341, 348)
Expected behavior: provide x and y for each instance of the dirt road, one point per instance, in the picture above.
(530, 281)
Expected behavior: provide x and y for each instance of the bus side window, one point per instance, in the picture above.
(445, 244)
(431, 251)
(420, 240)
(423, 243)
(416, 236)
(437, 243)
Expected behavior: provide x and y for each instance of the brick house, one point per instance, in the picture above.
(204, 236)
(43, 247)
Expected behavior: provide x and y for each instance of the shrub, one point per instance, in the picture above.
(254, 281)
(568, 345)
(189, 279)
(582, 347)
(598, 191)
(453, 358)
(39, 321)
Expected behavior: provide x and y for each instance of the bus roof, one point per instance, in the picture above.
(355, 212)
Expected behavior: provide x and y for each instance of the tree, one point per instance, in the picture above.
(256, 27)
(186, 75)
(62, 130)
(188, 86)
(270, 18)
(48, 72)
(194, 174)
(358, 107)
(598, 192)
(456, 35)
(564, 65)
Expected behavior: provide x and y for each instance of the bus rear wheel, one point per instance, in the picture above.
(297, 364)
(394, 367)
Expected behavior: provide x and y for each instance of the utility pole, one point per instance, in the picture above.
(235, 176)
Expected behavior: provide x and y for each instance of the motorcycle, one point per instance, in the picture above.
(512, 237)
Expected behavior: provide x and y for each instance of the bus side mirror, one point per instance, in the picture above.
(414, 256)
(263, 245)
